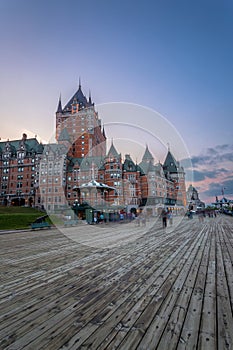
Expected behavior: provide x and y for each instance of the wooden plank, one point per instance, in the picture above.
(137, 295)
(224, 307)
(189, 301)
(161, 303)
(48, 315)
(207, 338)
(93, 309)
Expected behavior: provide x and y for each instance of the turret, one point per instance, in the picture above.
(59, 107)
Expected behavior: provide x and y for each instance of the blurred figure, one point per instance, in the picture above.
(170, 217)
(164, 217)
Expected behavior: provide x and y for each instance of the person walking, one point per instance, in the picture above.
(170, 217)
(164, 218)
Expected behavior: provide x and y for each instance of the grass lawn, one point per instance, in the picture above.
(14, 218)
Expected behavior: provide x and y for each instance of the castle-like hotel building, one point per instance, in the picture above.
(77, 168)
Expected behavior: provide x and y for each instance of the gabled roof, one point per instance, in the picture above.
(113, 152)
(147, 157)
(129, 165)
(170, 165)
(147, 167)
(79, 98)
(225, 200)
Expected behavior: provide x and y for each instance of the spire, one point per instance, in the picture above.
(112, 151)
(79, 83)
(90, 97)
(103, 132)
(59, 107)
(147, 157)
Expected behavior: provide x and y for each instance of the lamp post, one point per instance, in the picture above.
(36, 186)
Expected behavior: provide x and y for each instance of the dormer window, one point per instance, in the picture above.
(6, 156)
(21, 155)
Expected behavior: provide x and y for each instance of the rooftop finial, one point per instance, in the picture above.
(168, 147)
(79, 82)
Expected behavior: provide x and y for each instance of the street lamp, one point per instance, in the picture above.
(36, 186)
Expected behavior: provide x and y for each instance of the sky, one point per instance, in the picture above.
(171, 57)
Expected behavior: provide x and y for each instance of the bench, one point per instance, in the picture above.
(70, 223)
(40, 225)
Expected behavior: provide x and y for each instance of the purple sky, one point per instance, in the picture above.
(172, 57)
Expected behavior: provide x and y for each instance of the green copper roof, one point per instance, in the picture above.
(170, 165)
(147, 155)
(31, 146)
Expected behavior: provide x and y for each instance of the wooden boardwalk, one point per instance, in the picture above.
(160, 290)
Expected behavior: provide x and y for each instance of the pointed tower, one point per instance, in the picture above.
(147, 157)
(113, 154)
(147, 163)
(175, 173)
(113, 171)
(82, 124)
(59, 107)
(170, 165)
(59, 118)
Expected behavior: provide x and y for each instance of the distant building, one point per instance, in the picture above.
(194, 203)
(223, 202)
(19, 171)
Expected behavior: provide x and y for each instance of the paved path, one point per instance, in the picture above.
(119, 287)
